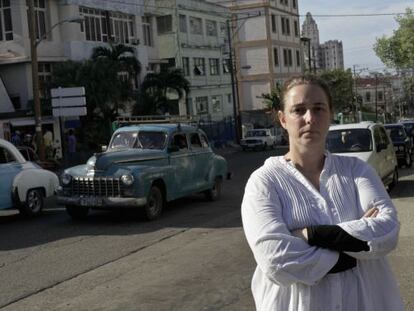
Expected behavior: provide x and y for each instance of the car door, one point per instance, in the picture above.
(387, 154)
(202, 157)
(182, 163)
(9, 168)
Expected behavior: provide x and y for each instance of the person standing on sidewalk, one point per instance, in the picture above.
(71, 139)
(319, 225)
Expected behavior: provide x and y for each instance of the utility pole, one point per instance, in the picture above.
(35, 81)
(233, 86)
(376, 97)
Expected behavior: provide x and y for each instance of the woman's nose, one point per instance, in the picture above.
(309, 116)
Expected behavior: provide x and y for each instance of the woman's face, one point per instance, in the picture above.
(306, 115)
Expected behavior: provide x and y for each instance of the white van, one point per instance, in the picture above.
(368, 141)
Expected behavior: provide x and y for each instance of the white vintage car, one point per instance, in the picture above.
(258, 139)
(23, 184)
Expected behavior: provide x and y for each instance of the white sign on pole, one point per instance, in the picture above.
(68, 102)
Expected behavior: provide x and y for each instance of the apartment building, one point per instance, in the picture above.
(376, 93)
(267, 50)
(192, 35)
(310, 30)
(331, 55)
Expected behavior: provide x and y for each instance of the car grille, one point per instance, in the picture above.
(95, 186)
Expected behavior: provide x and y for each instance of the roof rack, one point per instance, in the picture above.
(155, 119)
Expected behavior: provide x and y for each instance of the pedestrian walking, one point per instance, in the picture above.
(16, 139)
(71, 140)
(319, 225)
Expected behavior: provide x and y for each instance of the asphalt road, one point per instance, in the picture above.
(194, 258)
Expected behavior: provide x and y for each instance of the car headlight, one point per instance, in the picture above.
(66, 179)
(127, 179)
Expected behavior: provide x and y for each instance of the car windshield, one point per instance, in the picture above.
(396, 132)
(255, 133)
(349, 140)
(141, 139)
(409, 127)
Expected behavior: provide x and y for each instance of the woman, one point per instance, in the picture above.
(319, 225)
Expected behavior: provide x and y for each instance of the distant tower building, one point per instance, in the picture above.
(310, 30)
(331, 55)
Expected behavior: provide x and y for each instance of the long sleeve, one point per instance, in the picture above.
(285, 259)
(380, 232)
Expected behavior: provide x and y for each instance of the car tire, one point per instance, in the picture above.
(77, 212)
(394, 180)
(155, 203)
(408, 160)
(34, 203)
(214, 193)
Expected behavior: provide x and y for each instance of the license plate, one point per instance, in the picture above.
(90, 201)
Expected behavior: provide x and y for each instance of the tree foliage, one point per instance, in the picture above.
(106, 90)
(398, 50)
(155, 90)
(340, 84)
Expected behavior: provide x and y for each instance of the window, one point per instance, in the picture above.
(285, 26)
(287, 57)
(147, 30)
(183, 23)
(186, 66)
(180, 140)
(368, 96)
(294, 4)
(214, 66)
(199, 66)
(229, 98)
(295, 24)
(122, 27)
(226, 66)
(189, 106)
(202, 105)
(195, 141)
(275, 57)
(211, 28)
(216, 103)
(6, 27)
(164, 24)
(284, 2)
(380, 96)
(223, 31)
(297, 58)
(196, 26)
(40, 17)
(6, 156)
(204, 140)
(273, 23)
(105, 26)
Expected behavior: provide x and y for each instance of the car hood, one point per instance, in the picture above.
(102, 161)
(364, 156)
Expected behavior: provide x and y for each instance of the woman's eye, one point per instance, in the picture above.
(299, 111)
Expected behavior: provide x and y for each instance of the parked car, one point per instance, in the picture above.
(258, 139)
(30, 155)
(23, 184)
(369, 142)
(409, 127)
(144, 166)
(402, 143)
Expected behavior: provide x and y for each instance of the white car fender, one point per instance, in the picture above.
(35, 178)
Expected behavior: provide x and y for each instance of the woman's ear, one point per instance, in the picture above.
(281, 116)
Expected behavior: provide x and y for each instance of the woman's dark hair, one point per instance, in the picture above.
(308, 80)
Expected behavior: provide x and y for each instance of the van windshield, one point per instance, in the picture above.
(256, 133)
(349, 140)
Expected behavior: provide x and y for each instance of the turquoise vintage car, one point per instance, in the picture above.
(144, 166)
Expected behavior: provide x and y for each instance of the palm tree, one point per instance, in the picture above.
(156, 87)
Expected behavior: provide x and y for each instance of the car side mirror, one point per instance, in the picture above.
(173, 148)
(103, 148)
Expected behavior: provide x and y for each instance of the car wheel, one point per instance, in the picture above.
(214, 193)
(33, 204)
(408, 160)
(155, 203)
(394, 180)
(77, 212)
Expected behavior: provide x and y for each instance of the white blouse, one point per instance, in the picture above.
(291, 275)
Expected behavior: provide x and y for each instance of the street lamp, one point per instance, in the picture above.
(35, 78)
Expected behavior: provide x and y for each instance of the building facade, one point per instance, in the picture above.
(331, 55)
(192, 36)
(266, 40)
(310, 30)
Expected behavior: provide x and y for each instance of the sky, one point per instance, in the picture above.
(358, 34)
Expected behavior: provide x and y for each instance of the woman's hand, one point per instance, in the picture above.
(301, 233)
(371, 213)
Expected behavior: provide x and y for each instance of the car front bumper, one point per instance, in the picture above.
(102, 202)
